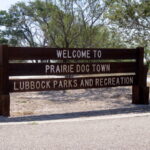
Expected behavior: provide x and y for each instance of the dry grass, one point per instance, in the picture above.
(56, 102)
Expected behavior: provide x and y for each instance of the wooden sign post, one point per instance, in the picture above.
(110, 62)
(4, 82)
(140, 90)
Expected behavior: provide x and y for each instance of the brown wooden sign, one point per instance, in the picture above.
(24, 85)
(28, 53)
(18, 69)
(109, 62)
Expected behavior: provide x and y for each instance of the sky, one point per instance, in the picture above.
(5, 4)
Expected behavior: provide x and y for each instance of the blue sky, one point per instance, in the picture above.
(5, 4)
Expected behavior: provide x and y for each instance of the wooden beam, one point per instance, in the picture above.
(30, 53)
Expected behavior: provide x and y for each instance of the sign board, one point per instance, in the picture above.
(24, 85)
(16, 69)
(28, 53)
(111, 63)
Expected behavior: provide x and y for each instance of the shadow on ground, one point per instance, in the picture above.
(135, 109)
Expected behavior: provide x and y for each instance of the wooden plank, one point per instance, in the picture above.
(29, 53)
(27, 85)
(70, 68)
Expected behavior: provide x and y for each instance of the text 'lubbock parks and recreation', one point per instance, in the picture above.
(54, 84)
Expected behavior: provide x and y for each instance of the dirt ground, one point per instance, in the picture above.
(57, 102)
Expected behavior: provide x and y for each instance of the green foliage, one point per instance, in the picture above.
(62, 24)
(132, 19)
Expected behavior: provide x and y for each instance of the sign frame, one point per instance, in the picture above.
(140, 91)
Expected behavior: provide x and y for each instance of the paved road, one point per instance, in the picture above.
(95, 133)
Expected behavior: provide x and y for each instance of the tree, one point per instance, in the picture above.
(74, 23)
(61, 23)
(19, 28)
(132, 18)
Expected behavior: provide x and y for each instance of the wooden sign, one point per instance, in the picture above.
(28, 53)
(17, 69)
(109, 62)
(24, 85)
